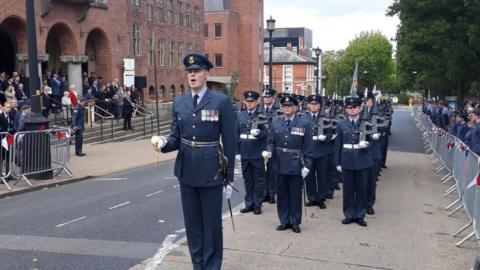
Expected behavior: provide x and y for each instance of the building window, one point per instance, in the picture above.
(161, 52)
(287, 73)
(197, 47)
(218, 60)
(218, 30)
(151, 51)
(171, 47)
(189, 48)
(171, 19)
(205, 30)
(180, 54)
(197, 20)
(180, 14)
(136, 3)
(149, 10)
(160, 16)
(136, 40)
(188, 17)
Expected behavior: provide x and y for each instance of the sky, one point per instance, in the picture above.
(334, 23)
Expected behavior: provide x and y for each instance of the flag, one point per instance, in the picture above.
(353, 90)
(59, 135)
(41, 128)
(7, 141)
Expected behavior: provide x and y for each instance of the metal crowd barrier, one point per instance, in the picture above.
(34, 154)
(462, 165)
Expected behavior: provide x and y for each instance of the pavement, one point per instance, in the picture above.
(128, 215)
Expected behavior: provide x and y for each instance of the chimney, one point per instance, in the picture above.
(289, 46)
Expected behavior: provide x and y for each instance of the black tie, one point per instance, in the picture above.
(314, 118)
(268, 110)
(288, 122)
(195, 101)
(250, 114)
(353, 123)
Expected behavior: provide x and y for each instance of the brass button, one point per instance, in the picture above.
(194, 138)
(193, 126)
(194, 115)
(286, 137)
(285, 143)
(194, 144)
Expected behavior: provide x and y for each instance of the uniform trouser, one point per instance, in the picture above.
(272, 181)
(253, 171)
(289, 199)
(78, 141)
(384, 151)
(127, 121)
(202, 213)
(317, 182)
(372, 184)
(332, 175)
(355, 193)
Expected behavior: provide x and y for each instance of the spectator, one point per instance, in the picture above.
(10, 93)
(94, 86)
(118, 99)
(67, 107)
(72, 94)
(85, 85)
(127, 111)
(89, 95)
(47, 100)
(20, 94)
(56, 88)
(26, 113)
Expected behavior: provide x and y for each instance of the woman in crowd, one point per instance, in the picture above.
(67, 107)
(10, 93)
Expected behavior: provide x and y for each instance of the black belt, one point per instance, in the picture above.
(286, 150)
(195, 144)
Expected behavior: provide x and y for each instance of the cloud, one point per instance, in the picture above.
(334, 23)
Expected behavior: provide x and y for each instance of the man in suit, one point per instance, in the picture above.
(57, 92)
(316, 182)
(78, 125)
(290, 139)
(252, 141)
(127, 111)
(353, 159)
(200, 119)
(268, 108)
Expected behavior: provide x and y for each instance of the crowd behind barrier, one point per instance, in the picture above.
(30, 153)
(462, 165)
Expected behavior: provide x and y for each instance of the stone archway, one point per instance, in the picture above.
(12, 42)
(182, 89)
(98, 52)
(60, 42)
(173, 91)
(163, 94)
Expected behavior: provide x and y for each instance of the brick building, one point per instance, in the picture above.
(234, 42)
(95, 36)
(291, 72)
(299, 38)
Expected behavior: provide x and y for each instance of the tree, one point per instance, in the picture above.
(373, 52)
(439, 45)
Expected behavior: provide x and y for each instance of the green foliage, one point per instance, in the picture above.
(440, 40)
(231, 91)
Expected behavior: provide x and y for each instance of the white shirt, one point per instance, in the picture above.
(354, 119)
(200, 94)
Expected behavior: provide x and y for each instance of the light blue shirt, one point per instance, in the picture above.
(200, 94)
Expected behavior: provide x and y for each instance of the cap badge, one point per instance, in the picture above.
(191, 60)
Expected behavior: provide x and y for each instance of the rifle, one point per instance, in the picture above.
(321, 125)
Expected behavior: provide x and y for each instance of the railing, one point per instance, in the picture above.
(462, 165)
(34, 154)
(105, 115)
(144, 112)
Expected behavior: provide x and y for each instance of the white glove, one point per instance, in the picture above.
(162, 141)
(334, 136)
(255, 132)
(322, 138)
(227, 191)
(266, 154)
(238, 157)
(375, 136)
(305, 172)
(339, 168)
(363, 144)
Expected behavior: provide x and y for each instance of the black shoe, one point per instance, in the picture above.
(322, 205)
(337, 187)
(296, 229)
(265, 199)
(124, 128)
(384, 166)
(246, 210)
(257, 211)
(310, 204)
(272, 200)
(81, 154)
(284, 227)
(329, 196)
(346, 221)
(370, 211)
(361, 222)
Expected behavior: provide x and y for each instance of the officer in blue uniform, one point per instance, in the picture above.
(290, 139)
(317, 179)
(200, 119)
(332, 174)
(353, 159)
(78, 125)
(252, 132)
(269, 109)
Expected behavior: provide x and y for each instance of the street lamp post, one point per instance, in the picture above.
(414, 80)
(270, 29)
(318, 53)
(34, 80)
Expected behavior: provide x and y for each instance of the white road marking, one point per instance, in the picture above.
(110, 179)
(161, 221)
(180, 231)
(154, 193)
(176, 186)
(170, 177)
(118, 205)
(167, 246)
(69, 222)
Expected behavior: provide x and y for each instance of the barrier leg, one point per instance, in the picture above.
(436, 161)
(24, 178)
(459, 243)
(448, 179)
(6, 184)
(446, 175)
(450, 190)
(452, 204)
(431, 155)
(456, 210)
(439, 169)
(463, 229)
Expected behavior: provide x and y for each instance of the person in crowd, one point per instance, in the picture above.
(24, 116)
(20, 94)
(89, 95)
(72, 94)
(10, 93)
(56, 85)
(85, 85)
(127, 111)
(67, 107)
(118, 99)
(47, 100)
